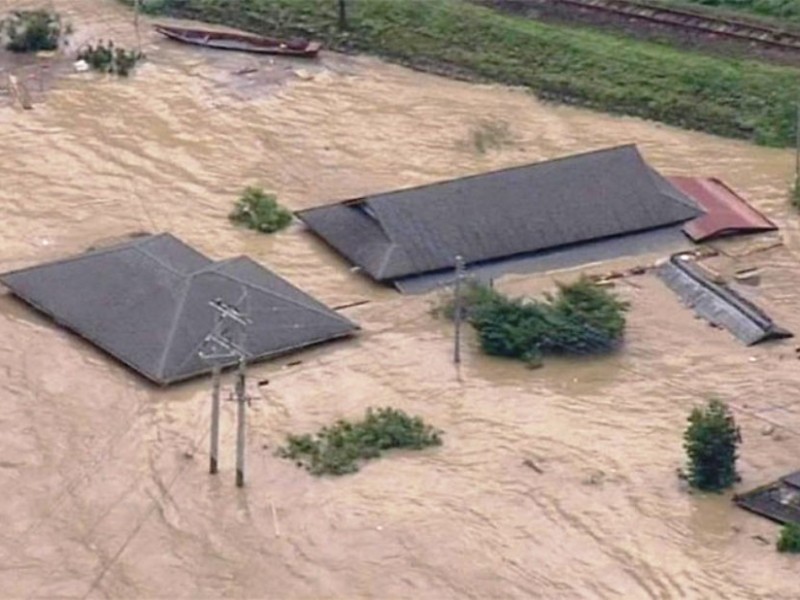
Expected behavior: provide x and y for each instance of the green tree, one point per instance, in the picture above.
(711, 441)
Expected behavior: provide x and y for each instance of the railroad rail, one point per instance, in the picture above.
(722, 27)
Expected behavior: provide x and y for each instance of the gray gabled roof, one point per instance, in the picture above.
(719, 304)
(502, 214)
(146, 302)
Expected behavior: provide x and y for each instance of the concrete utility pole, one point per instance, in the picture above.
(457, 308)
(225, 344)
(241, 399)
(216, 376)
(797, 147)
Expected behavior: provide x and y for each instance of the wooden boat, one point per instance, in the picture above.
(243, 42)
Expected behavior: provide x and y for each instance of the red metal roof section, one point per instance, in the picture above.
(727, 213)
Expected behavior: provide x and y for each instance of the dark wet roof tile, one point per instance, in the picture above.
(146, 302)
(501, 214)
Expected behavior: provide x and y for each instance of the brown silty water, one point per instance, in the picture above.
(105, 489)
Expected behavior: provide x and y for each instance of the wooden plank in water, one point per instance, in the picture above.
(20, 91)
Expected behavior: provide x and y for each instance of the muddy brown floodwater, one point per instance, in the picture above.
(105, 490)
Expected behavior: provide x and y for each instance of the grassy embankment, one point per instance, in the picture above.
(732, 98)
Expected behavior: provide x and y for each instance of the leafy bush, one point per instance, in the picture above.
(341, 448)
(581, 318)
(260, 211)
(711, 441)
(110, 59)
(789, 540)
(32, 30)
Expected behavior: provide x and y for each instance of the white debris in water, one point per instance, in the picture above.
(81, 66)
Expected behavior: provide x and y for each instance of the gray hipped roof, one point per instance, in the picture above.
(146, 302)
(501, 214)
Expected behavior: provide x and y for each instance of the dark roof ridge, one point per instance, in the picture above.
(97, 252)
(366, 198)
(176, 317)
(156, 258)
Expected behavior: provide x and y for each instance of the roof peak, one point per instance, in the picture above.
(360, 200)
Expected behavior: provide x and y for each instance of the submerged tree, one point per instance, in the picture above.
(580, 318)
(32, 30)
(711, 441)
(261, 211)
(108, 58)
(789, 540)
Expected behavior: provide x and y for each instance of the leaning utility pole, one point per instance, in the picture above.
(457, 308)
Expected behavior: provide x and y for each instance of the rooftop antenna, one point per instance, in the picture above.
(222, 346)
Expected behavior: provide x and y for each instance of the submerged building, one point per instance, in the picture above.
(546, 215)
(148, 303)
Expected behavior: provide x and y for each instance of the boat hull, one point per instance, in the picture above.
(240, 42)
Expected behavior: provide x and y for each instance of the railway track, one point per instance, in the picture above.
(719, 27)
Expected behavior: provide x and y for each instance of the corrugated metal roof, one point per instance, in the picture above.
(146, 302)
(719, 304)
(501, 214)
(727, 213)
(778, 501)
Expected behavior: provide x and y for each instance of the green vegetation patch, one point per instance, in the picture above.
(31, 31)
(711, 441)
(260, 211)
(581, 318)
(108, 58)
(344, 446)
(740, 99)
(789, 540)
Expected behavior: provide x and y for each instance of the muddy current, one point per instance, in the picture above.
(104, 477)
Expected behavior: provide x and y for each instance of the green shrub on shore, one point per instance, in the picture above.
(341, 448)
(260, 211)
(32, 30)
(581, 318)
(740, 99)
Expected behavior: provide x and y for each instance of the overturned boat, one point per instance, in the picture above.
(243, 42)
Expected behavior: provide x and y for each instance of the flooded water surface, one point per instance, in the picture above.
(105, 489)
